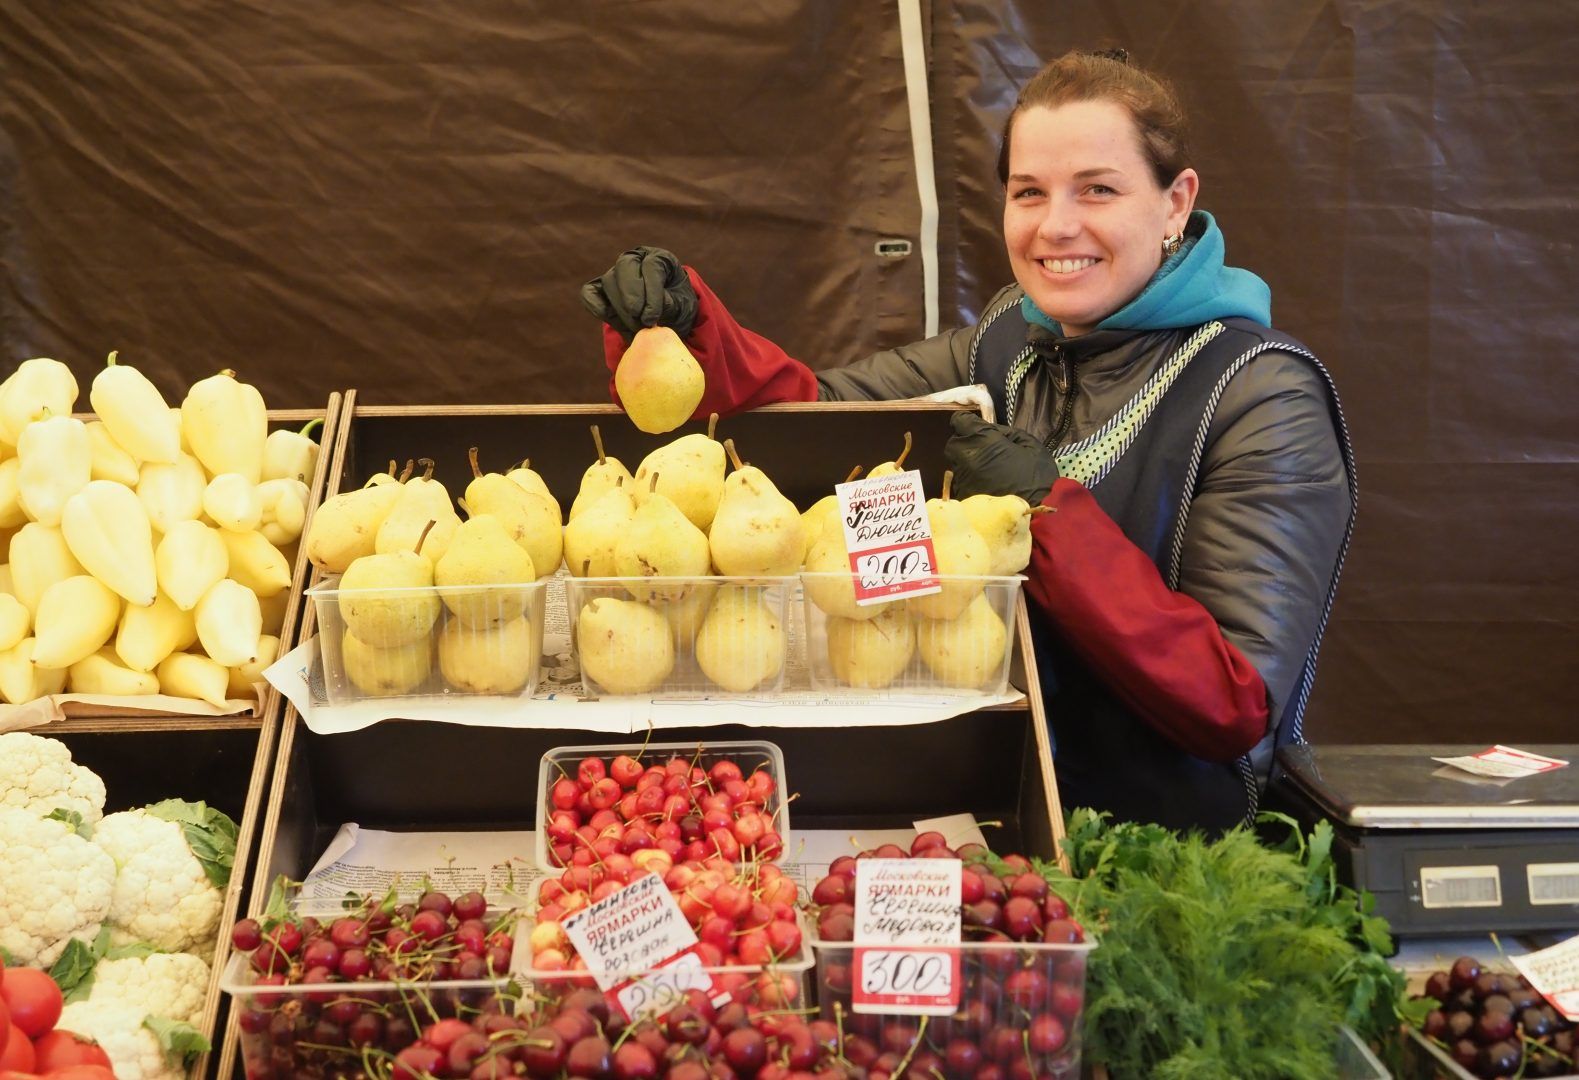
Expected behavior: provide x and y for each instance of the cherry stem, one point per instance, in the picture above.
(729, 448)
(471, 456)
(597, 440)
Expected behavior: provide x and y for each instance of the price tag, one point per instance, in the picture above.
(903, 909)
(663, 989)
(1554, 973)
(639, 928)
(1504, 762)
(889, 537)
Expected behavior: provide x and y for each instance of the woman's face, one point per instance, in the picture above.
(1083, 217)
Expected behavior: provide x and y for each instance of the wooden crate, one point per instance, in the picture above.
(405, 775)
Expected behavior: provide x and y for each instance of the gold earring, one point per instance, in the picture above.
(1171, 244)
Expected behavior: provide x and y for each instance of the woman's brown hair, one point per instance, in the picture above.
(1107, 76)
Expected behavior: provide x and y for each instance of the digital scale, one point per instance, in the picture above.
(1443, 851)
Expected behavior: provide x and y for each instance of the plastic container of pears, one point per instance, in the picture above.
(432, 642)
(958, 640)
(681, 637)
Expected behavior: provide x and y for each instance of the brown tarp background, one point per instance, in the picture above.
(404, 198)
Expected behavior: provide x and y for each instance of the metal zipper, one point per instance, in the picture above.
(1065, 381)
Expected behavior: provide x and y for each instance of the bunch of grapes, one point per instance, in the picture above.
(1497, 1025)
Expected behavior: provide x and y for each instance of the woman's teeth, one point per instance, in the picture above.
(1066, 266)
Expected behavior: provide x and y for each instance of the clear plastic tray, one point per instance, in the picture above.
(1006, 987)
(750, 756)
(680, 636)
(1425, 1060)
(438, 641)
(893, 648)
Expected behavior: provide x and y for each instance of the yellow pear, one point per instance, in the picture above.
(388, 600)
(1004, 521)
(483, 553)
(828, 581)
(814, 517)
(488, 661)
(590, 539)
(386, 672)
(527, 479)
(659, 382)
(960, 551)
(741, 643)
(530, 520)
(600, 476)
(625, 646)
(757, 531)
(685, 615)
(423, 500)
(873, 652)
(661, 542)
(968, 651)
(690, 474)
(888, 468)
(346, 526)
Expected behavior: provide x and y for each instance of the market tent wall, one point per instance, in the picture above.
(406, 200)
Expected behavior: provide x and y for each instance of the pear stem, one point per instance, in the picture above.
(854, 473)
(1042, 510)
(948, 482)
(586, 567)
(899, 461)
(471, 456)
(652, 485)
(712, 426)
(597, 440)
(424, 535)
(405, 474)
(427, 467)
(394, 467)
(526, 463)
(729, 448)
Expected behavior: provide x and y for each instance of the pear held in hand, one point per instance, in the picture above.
(659, 382)
(757, 531)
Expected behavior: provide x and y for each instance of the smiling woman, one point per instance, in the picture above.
(1196, 457)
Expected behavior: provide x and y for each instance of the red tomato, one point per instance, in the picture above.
(5, 1024)
(18, 1052)
(34, 999)
(62, 1049)
(81, 1072)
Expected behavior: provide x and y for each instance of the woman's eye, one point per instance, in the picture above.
(1027, 193)
(1100, 189)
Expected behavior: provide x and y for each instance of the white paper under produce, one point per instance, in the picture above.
(560, 705)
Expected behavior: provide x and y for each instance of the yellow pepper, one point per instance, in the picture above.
(135, 412)
(37, 388)
(110, 461)
(149, 634)
(75, 618)
(172, 494)
(108, 532)
(189, 675)
(226, 423)
(21, 680)
(291, 455)
(229, 623)
(11, 513)
(39, 558)
(56, 462)
(284, 509)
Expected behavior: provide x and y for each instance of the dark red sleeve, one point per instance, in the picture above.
(742, 369)
(1161, 652)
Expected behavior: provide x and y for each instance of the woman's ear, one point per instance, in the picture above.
(1181, 200)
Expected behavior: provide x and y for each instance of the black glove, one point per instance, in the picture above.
(994, 459)
(646, 286)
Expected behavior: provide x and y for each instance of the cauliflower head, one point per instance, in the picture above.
(162, 894)
(134, 1050)
(54, 886)
(172, 985)
(38, 775)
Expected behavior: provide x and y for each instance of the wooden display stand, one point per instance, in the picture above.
(224, 761)
(403, 775)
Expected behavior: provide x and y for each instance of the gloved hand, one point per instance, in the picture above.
(646, 286)
(995, 459)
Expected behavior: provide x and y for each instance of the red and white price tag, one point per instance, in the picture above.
(889, 537)
(907, 914)
(1504, 762)
(1554, 972)
(637, 943)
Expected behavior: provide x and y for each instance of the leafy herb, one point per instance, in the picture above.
(209, 833)
(1222, 957)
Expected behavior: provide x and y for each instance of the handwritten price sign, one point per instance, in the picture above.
(639, 928)
(914, 981)
(889, 537)
(656, 993)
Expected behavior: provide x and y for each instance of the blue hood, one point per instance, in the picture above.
(1191, 287)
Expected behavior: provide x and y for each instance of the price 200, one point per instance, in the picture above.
(908, 973)
(661, 991)
(886, 567)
